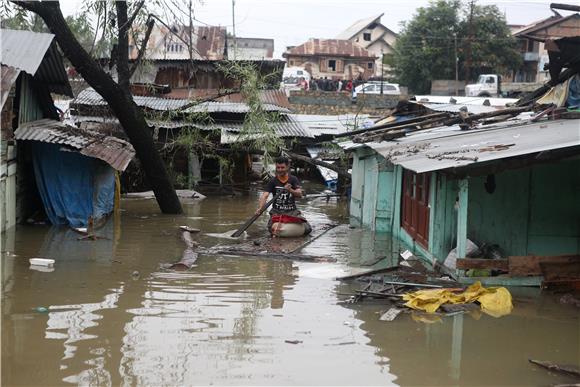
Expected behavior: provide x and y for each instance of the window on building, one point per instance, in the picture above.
(331, 65)
(367, 36)
(370, 65)
(291, 63)
(530, 45)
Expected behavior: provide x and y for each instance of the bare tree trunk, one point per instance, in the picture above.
(117, 96)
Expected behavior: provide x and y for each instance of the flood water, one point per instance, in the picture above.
(113, 317)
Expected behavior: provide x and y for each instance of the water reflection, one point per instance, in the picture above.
(115, 318)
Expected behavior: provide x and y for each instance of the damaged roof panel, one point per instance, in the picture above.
(115, 152)
(450, 147)
(286, 128)
(89, 97)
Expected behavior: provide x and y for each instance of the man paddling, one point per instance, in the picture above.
(285, 188)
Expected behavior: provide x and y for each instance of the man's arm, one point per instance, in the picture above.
(262, 201)
(296, 192)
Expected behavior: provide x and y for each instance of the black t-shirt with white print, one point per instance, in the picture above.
(285, 202)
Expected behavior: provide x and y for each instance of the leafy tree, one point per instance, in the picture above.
(425, 49)
(119, 17)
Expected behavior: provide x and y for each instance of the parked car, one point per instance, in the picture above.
(375, 88)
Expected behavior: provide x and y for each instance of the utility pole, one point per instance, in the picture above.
(468, 48)
(234, 27)
(382, 69)
(456, 66)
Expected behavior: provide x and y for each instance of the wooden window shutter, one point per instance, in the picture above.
(323, 65)
(339, 66)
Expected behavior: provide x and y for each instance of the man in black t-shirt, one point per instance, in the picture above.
(285, 188)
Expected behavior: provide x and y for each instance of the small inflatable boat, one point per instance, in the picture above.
(287, 226)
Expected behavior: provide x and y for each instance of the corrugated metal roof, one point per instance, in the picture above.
(74, 119)
(230, 107)
(36, 54)
(449, 147)
(318, 125)
(338, 47)
(24, 50)
(287, 127)
(115, 152)
(272, 97)
(7, 78)
(90, 97)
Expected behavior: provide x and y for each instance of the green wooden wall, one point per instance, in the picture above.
(532, 211)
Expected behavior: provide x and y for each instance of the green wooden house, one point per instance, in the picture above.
(514, 184)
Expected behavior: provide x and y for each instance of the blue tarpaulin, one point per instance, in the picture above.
(73, 187)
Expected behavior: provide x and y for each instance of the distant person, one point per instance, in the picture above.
(349, 85)
(339, 86)
(313, 85)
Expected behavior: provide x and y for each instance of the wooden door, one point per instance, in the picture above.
(415, 206)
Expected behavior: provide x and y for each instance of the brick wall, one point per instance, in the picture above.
(329, 102)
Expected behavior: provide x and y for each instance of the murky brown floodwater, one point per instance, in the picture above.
(226, 320)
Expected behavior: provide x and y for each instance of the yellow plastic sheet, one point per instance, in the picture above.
(496, 302)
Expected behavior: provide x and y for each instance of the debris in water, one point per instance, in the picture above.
(189, 229)
(391, 314)
(565, 369)
(41, 262)
(293, 341)
(41, 309)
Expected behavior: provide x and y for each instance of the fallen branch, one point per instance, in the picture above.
(570, 370)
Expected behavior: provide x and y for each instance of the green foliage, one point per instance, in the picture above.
(258, 131)
(425, 49)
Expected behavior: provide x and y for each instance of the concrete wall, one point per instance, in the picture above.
(328, 102)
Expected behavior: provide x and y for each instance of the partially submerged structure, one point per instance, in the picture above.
(63, 172)
(507, 179)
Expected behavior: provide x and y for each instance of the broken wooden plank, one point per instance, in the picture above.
(565, 369)
(390, 314)
(478, 263)
(529, 265)
(367, 272)
(260, 254)
(411, 284)
(561, 270)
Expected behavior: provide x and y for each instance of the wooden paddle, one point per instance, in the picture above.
(256, 216)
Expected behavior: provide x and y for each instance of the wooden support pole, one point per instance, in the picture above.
(462, 218)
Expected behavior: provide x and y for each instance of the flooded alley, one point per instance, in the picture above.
(108, 315)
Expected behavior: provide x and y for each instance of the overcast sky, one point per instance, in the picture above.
(291, 22)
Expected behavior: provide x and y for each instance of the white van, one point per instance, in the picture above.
(291, 77)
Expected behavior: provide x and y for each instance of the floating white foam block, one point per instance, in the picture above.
(41, 261)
